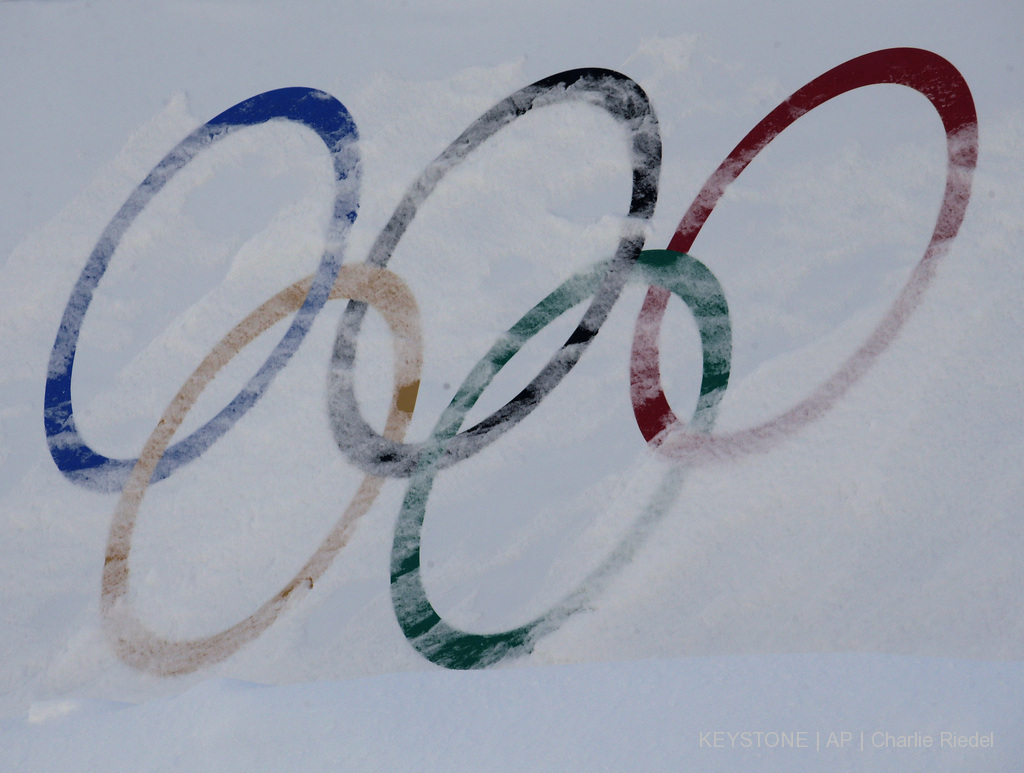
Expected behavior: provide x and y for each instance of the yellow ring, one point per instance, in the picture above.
(133, 642)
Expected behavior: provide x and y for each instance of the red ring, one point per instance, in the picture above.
(926, 73)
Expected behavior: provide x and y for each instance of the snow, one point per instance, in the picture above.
(768, 713)
(859, 575)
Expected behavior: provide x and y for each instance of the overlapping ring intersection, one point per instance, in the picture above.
(386, 455)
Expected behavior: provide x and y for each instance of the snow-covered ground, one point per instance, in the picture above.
(845, 592)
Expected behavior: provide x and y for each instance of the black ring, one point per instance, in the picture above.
(625, 101)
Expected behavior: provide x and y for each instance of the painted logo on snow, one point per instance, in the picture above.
(385, 455)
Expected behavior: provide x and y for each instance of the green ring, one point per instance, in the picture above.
(435, 639)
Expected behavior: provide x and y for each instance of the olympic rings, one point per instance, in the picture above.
(625, 101)
(670, 271)
(926, 73)
(314, 109)
(133, 642)
(434, 638)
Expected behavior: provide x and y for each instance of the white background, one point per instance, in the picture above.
(863, 575)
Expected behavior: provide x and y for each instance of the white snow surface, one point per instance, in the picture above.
(824, 604)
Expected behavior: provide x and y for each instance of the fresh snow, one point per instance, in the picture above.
(861, 576)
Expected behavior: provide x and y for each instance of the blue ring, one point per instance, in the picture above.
(314, 109)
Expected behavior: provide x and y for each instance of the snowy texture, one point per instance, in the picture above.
(840, 552)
